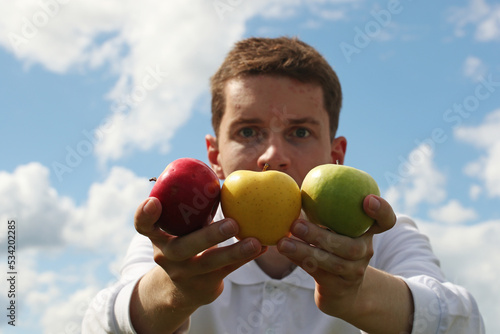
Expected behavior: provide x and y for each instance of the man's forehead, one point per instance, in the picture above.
(254, 81)
(278, 95)
(264, 98)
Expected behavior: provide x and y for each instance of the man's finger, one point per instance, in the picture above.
(237, 254)
(191, 244)
(380, 210)
(342, 246)
(147, 215)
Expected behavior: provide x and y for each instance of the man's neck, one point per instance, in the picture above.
(274, 264)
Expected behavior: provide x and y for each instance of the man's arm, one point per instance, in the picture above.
(440, 306)
(346, 287)
(384, 304)
(408, 295)
(190, 270)
(153, 307)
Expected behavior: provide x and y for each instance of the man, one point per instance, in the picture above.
(277, 101)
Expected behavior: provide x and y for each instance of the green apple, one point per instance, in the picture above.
(264, 204)
(332, 196)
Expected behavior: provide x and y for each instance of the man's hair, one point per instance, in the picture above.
(281, 56)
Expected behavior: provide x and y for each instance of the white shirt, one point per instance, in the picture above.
(252, 302)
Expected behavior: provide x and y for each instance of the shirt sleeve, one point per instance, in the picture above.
(440, 306)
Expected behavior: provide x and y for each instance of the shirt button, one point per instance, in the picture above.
(270, 288)
(270, 331)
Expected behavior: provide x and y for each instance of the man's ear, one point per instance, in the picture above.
(213, 155)
(339, 146)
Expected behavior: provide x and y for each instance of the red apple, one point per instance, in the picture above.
(189, 192)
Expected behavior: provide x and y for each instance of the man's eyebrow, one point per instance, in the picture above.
(291, 121)
(303, 120)
(241, 121)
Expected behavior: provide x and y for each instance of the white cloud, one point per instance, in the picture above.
(474, 191)
(334, 14)
(47, 220)
(484, 17)
(487, 138)
(66, 316)
(105, 221)
(49, 226)
(484, 135)
(184, 41)
(453, 213)
(38, 287)
(331, 10)
(474, 68)
(58, 35)
(469, 257)
(43, 286)
(489, 28)
(419, 181)
(40, 213)
(54, 300)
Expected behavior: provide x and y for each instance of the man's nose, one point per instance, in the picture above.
(275, 154)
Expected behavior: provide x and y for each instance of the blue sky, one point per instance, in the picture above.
(98, 97)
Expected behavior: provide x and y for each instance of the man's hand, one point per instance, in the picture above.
(345, 284)
(191, 268)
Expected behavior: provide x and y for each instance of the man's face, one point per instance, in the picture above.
(275, 120)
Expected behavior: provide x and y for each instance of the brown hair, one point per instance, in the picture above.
(284, 56)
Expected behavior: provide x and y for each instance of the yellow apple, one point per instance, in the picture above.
(264, 204)
(332, 196)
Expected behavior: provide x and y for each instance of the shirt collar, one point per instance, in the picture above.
(250, 273)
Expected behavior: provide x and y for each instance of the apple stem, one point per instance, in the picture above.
(266, 166)
(152, 179)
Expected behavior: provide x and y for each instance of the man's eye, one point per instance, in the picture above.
(301, 133)
(247, 132)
